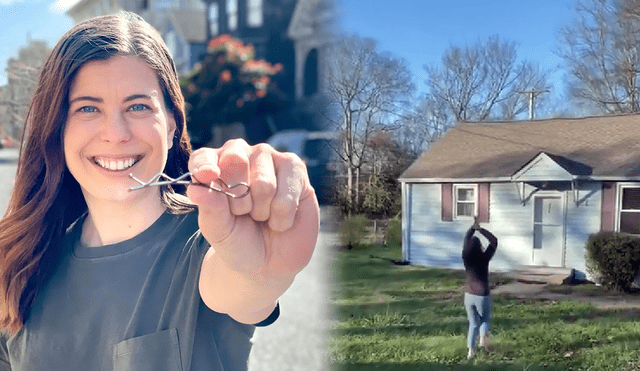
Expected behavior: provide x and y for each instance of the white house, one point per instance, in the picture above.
(542, 187)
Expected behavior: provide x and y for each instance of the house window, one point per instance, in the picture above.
(464, 201)
(630, 209)
(311, 73)
(171, 40)
(254, 13)
(232, 15)
(214, 19)
(163, 4)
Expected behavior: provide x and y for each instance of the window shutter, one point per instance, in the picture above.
(608, 214)
(447, 201)
(483, 202)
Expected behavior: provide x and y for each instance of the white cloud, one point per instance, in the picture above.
(59, 6)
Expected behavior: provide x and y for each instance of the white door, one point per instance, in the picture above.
(547, 231)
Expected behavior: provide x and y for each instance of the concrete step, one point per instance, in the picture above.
(540, 274)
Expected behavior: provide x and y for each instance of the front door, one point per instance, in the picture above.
(547, 231)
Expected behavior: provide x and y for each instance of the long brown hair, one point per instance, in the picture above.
(46, 198)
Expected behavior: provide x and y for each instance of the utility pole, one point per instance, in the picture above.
(533, 94)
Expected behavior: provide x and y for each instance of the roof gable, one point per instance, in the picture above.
(546, 167)
(601, 147)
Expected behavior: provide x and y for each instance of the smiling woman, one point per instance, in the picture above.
(98, 273)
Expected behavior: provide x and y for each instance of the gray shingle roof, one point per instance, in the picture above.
(191, 24)
(608, 146)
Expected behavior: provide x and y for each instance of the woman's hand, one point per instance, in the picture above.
(258, 242)
(476, 224)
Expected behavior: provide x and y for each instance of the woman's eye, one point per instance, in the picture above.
(139, 107)
(88, 109)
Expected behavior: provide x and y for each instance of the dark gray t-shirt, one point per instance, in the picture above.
(133, 305)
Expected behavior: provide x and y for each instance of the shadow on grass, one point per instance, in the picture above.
(440, 367)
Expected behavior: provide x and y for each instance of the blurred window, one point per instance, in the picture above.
(254, 13)
(161, 4)
(311, 73)
(214, 19)
(232, 15)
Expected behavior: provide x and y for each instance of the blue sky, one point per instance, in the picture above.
(421, 30)
(42, 19)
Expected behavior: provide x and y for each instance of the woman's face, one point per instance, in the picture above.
(117, 124)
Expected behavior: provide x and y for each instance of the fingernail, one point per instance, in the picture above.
(205, 168)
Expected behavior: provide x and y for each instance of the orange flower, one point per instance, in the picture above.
(219, 41)
(225, 76)
(261, 93)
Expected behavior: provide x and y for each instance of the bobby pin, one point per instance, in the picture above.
(164, 179)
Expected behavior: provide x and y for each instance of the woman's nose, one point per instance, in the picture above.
(115, 128)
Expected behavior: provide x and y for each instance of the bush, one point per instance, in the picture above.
(393, 234)
(354, 230)
(614, 258)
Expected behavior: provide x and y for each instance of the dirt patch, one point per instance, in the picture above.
(600, 297)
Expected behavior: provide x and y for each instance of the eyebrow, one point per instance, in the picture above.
(100, 100)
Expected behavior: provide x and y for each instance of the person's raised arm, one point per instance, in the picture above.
(466, 246)
(258, 242)
(493, 242)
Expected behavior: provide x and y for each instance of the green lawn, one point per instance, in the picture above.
(395, 317)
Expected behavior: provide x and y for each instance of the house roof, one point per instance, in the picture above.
(190, 24)
(597, 147)
(309, 18)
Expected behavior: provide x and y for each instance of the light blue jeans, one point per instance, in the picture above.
(479, 316)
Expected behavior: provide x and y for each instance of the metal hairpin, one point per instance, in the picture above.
(164, 179)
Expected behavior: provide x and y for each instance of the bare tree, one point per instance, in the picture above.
(483, 81)
(369, 89)
(600, 50)
(421, 127)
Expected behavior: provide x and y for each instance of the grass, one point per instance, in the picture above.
(395, 317)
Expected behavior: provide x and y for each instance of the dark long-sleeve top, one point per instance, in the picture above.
(476, 263)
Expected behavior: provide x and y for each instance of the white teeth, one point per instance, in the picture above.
(115, 164)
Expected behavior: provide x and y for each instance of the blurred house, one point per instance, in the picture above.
(295, 33)
(181, 23)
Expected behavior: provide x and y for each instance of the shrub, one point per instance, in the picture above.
(615, 258)
(354, 230)
(393, 234)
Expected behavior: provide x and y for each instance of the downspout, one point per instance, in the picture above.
(406, 221)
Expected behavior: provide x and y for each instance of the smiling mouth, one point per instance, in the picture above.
(120, 164)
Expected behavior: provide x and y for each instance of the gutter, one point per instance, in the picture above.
(599, 178)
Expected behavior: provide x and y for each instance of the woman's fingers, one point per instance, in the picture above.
(263, 181)
(233, 161)
(277, 182)
(292, 186)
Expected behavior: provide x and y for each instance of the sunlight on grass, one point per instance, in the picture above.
(398, 317)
